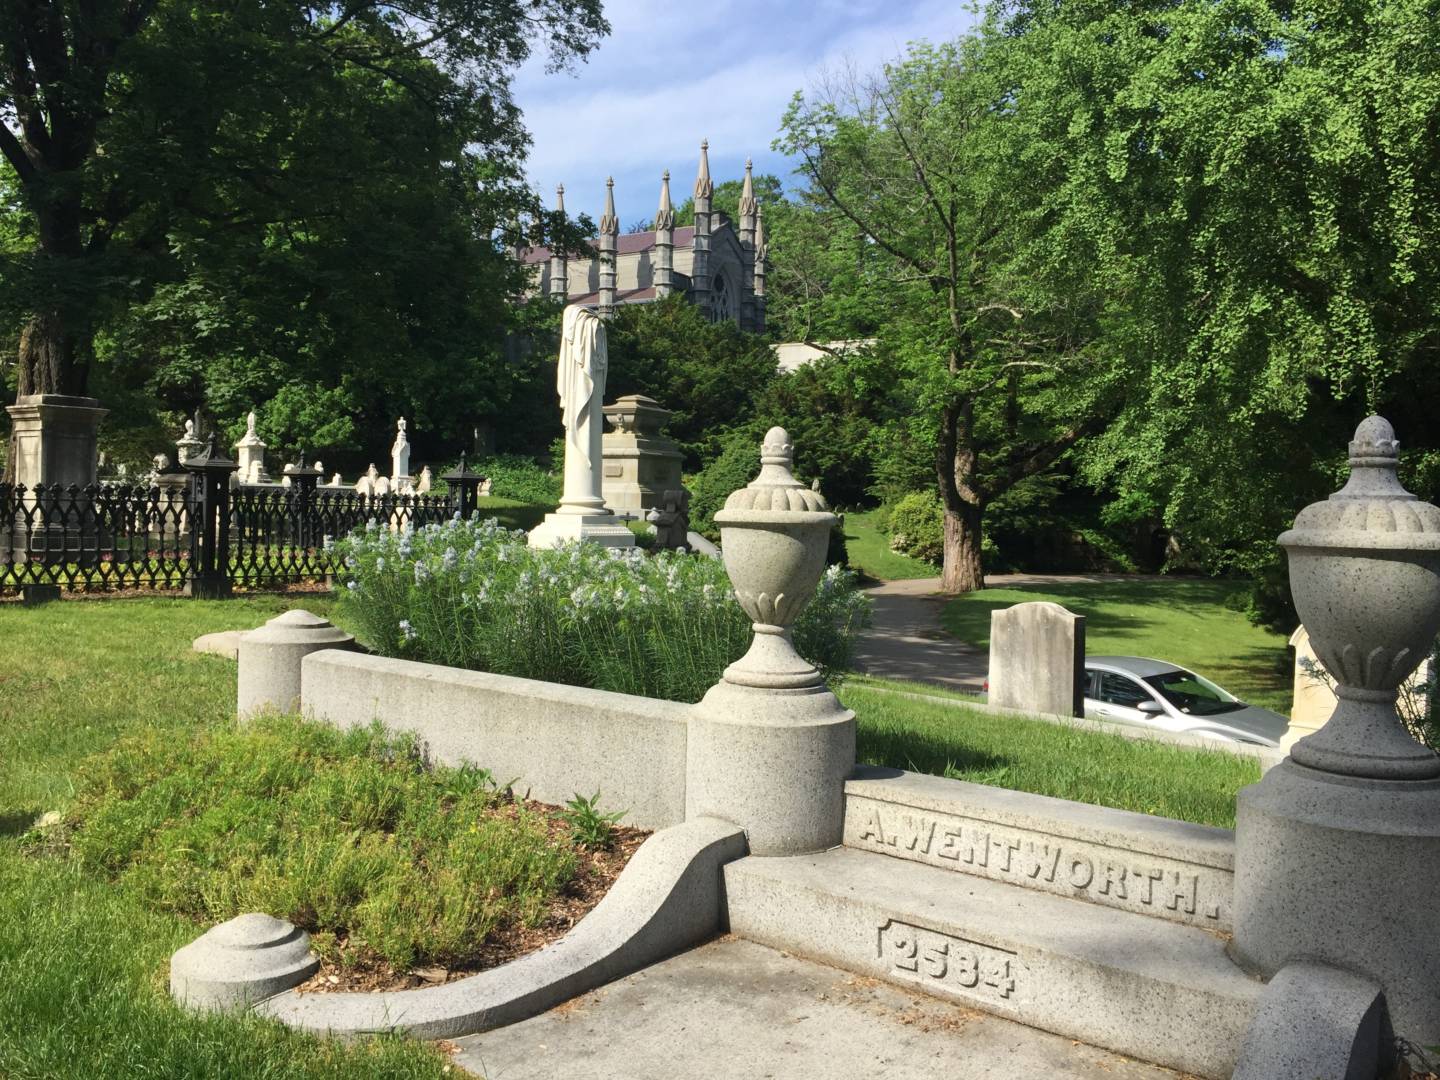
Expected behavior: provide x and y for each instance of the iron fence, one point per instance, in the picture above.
(196, 533)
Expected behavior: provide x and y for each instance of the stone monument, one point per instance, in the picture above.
(580, 382)
(671, 519)
(250, 453)
(53, 440)
(770, 747)
(400, 458)
(1337, 855)
(188, 445)
(640, 463)
(1037, 659)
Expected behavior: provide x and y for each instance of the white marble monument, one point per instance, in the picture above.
(580, 382)
(400, 458)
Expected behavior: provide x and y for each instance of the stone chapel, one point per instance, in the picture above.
(715, 264)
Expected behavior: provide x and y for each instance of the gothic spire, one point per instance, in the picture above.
(703, 187)
(747, 193)
(761, 249)
(609, 223)
(665, 216)
(560, 198)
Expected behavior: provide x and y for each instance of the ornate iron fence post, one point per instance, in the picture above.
(210, 473)
(303, 481)
(467, 488)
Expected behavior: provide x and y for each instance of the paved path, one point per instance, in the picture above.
(734, 1010)
(906, 641)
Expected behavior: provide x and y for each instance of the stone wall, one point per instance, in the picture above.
(554, 740)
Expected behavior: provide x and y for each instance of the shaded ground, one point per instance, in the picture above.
(734, 1010)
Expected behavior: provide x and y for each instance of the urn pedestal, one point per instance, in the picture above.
(1338, 847)
(769, 746)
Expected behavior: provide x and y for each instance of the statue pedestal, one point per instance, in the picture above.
(54, 441)
(560, 528)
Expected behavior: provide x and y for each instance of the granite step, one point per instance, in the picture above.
(1147, 988)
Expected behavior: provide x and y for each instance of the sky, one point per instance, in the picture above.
(671, 74)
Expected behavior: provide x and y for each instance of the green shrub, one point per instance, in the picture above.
(520, 478)
(338, 832)
(917, 526)
(473, 595)
(736, 465)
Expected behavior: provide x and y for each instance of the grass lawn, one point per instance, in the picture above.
(512, 513)
(183, 817)
(1183, 620)
(945, 738)
(868, 549)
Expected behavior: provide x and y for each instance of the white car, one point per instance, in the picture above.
(1157, 694)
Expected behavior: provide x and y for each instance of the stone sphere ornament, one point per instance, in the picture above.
(1365, 576)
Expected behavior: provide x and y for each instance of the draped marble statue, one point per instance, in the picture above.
(580, 383)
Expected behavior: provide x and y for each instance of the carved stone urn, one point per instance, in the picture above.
(770, 747)
(773, 537)
(1365, 575)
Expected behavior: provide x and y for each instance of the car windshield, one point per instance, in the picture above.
(1193, 695)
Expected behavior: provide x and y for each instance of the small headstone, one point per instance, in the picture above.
(1037, 659)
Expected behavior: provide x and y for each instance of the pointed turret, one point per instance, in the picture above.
(559, 264)
(748, 211)
(609, 237)
(757, 288)
(664, 241)
(700, 267)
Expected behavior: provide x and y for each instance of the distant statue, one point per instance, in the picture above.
(671, 519)
(400, 455)
(336, 482)
(426, 479)
(580, 381)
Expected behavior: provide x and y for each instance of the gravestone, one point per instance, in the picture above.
(641, 464)
(1037, 659)
(1313, 699)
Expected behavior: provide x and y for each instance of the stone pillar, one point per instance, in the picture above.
(1037, 659)
(53, 440)
(640, 463)
(609, 240)
(770, 747)
(700, 268)
(664, 242)
(400, 458)
(270, 660)
(1337, 849)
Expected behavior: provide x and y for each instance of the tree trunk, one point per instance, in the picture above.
(50, 357)
(962, 571)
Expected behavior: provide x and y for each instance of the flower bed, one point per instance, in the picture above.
(472, 594)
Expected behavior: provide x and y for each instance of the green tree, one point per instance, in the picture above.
(926, 209)
(176, 154)
(1255, 188)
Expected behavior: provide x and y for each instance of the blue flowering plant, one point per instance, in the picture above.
(472, 594)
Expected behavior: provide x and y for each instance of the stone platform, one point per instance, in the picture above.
(735, 1010)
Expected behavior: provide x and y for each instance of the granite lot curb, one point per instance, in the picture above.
(667, 899)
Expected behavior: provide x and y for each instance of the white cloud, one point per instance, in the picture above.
(670, 74)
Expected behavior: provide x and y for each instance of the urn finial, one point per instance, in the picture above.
(1365, 576)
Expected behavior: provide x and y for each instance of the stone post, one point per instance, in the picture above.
(770, 747)
(467, 486)
(640, 463)
(1337, 856)
(303, 482)
(270, 660)
(210, 473)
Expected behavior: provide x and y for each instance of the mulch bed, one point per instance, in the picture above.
(359, 969)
